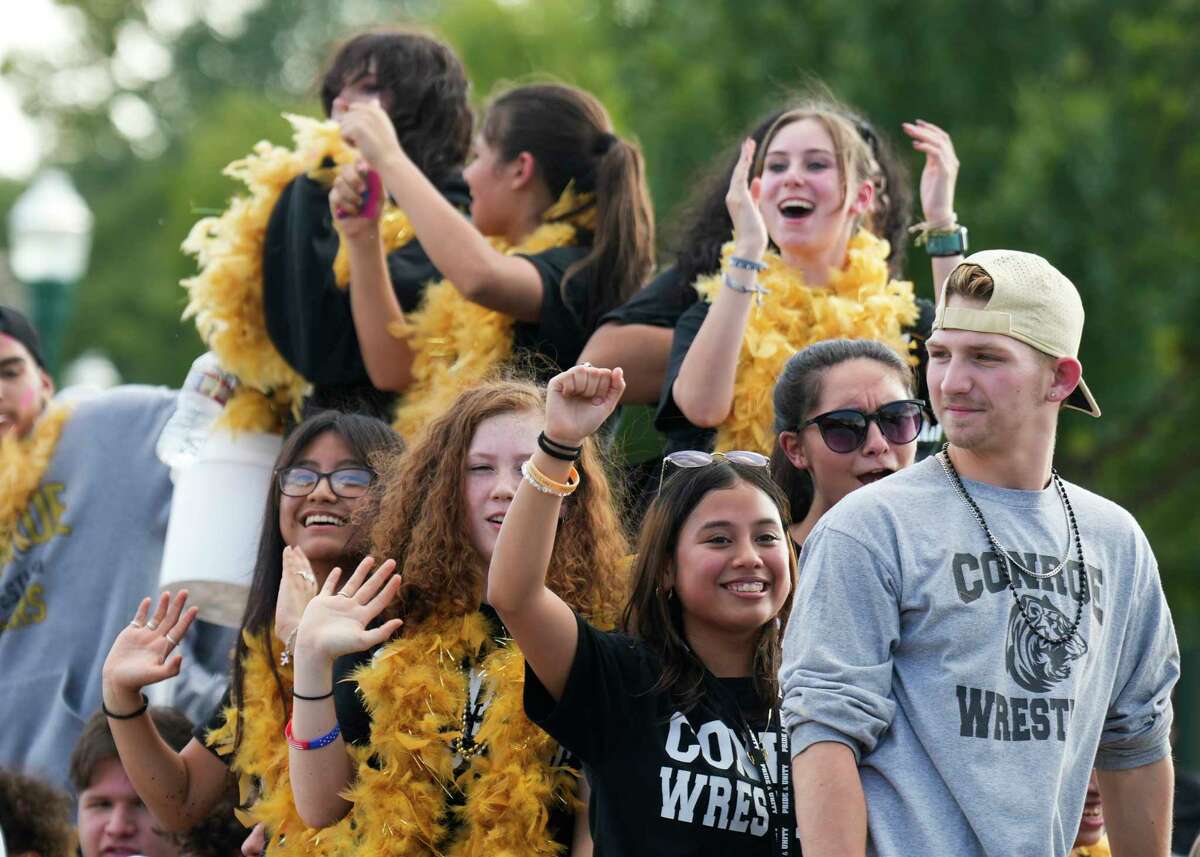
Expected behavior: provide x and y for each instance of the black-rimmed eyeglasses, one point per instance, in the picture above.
(349, 483)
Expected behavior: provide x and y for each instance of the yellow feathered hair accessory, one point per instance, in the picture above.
(23, 462)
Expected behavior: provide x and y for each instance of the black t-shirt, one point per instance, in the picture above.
(555, 341)
(307, 315)
(682, 434)
(663, 782)
(659, 303)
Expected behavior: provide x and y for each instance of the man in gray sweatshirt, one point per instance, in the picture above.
(971, 635)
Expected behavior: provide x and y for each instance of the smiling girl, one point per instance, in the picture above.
(323, 477)
(676, 719)
(423, 740)
(804, 265)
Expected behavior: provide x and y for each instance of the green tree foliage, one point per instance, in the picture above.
(1074, 121)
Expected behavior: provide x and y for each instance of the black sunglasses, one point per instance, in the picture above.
(349, 483)
(687, 458)
(846, 430)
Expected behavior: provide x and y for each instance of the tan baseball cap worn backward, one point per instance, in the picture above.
(1033, 303)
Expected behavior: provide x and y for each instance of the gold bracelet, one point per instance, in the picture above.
(545, 484)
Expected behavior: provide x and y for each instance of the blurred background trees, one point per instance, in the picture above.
(1076, 127)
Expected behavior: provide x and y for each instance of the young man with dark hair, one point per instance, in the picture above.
(972, 634)
(112, 818)
(83, 516)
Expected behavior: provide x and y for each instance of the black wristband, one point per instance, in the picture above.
(312, 698)
(561, 451)
(138, 713)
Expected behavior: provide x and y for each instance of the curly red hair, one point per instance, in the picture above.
(421, 519)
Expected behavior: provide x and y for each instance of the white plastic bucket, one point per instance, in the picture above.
(216, 519)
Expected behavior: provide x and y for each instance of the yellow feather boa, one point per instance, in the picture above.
(858, 302)
(225, 297)
(261, 760)
(23, 462)
(415, 690)
(457, 342)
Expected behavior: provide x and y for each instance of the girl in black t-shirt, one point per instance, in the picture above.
(323, 479)
(313, 320)
(676, 720)
(562, 232)
(430, 750)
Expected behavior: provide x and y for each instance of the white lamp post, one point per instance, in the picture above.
(50, 238)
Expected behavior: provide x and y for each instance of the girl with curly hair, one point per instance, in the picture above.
(426, 741)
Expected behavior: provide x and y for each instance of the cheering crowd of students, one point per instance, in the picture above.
(472, 630)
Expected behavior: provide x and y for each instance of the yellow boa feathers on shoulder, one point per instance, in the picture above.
(225, 297)
(457, 342)
(858, 302)
(261, 760)
(23, 463)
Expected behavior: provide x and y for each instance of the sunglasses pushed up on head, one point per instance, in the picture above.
(689, 458)
(845, 430)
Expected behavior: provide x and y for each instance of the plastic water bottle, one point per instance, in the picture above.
(201, 398)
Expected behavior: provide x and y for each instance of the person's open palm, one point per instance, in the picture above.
(142, 653)
(336, 621)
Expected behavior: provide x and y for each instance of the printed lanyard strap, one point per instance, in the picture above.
(781, 809)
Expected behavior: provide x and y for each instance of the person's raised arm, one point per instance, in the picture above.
(938, 179)
(1137, 808)
(373, 304)
(578, 402)
(334, 624)
(644, 348)
(703, 389)
(179, 788)
(507, 284)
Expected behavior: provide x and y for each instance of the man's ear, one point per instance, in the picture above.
(789, 442)
(47, 384)
(1067, 372)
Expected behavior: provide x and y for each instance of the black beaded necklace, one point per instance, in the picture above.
(1005, 564)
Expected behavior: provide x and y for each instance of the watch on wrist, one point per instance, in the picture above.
(940, 244)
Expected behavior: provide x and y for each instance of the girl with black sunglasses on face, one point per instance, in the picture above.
(845, 416)
(324, 476)
(676, 720)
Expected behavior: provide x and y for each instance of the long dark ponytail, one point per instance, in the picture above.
(569, 135)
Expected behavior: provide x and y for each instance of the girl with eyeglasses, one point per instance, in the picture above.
(805, 264)
(675, 718)
(324, 476)
(845, 416)
(423, 740)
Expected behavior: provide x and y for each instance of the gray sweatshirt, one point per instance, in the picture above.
(88, 550)
(973, 735)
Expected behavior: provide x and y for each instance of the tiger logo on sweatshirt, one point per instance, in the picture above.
(1032, 662)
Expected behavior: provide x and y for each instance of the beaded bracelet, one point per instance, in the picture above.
(131, 715)
(746, 264)
(546, 485)
(756, 290)
(315, 744)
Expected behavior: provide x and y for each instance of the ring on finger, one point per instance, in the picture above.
(151, 625)
(345, 594)
(171, 640)
(135, 623)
